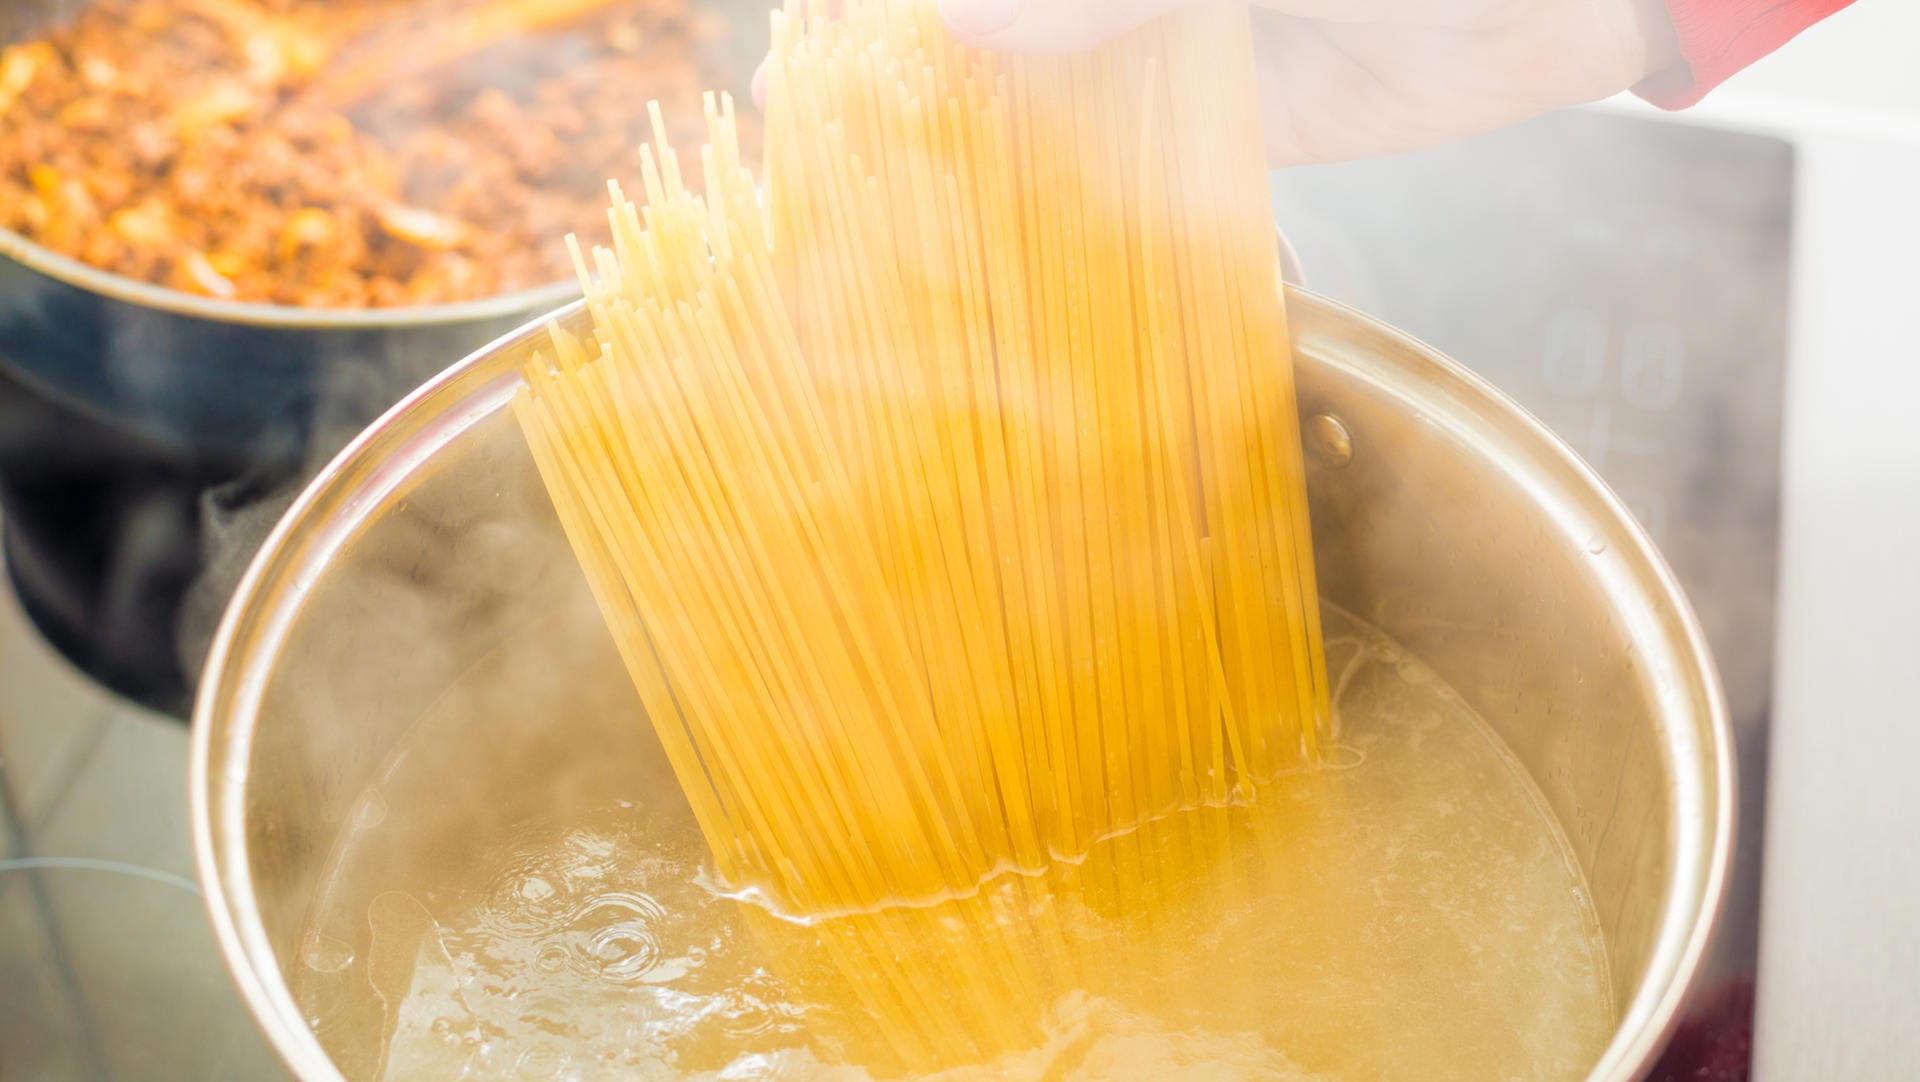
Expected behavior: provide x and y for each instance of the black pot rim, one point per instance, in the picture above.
(118, 287)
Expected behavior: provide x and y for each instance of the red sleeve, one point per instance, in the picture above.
(1718, 38)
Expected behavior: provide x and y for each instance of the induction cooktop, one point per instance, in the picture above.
(1626, 280)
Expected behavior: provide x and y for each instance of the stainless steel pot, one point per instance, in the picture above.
(1442, 514)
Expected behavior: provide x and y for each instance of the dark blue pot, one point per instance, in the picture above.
(133, 418)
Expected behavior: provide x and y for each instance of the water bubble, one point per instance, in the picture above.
(615, 938)
(527, 898)
(759, 1005)
(551, 959)
(744, 1017)
(541, 1061)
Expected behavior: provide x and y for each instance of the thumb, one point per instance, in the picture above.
(1047, 25)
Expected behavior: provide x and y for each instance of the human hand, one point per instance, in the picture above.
(1356, 78)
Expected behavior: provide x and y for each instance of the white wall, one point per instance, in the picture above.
(1863, 60)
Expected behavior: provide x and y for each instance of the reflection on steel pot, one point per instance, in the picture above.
(1448, 519)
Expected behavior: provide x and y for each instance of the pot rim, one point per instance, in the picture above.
(220, 851)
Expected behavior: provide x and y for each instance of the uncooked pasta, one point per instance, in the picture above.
(942, 487)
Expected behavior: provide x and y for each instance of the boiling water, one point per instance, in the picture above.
(520, 897)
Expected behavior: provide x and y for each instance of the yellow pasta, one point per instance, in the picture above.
(942, 487)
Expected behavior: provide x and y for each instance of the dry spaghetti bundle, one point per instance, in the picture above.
(944, 493)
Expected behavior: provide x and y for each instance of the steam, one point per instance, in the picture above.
(236, 517)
